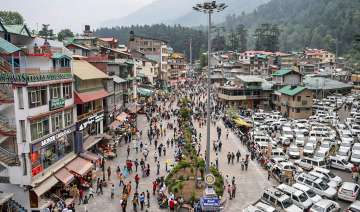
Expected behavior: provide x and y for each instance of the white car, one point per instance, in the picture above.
(301, 128)
(328, 174)
(325, 205)
(284, 140)
(321, 154)
(354, 207)
(325, 146)
(348, 191)
(355, 158)
(300, 139)
(345, 144)
(338, 163)
(343, 153)
(309, 149)
(294, 152)
(355, 129)
(346, 136)
(308, 191)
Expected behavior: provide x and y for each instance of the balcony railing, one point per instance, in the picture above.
(85, 115)
(39, 71)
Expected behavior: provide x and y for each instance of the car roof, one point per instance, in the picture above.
(348, 185)
(324, 203)
(322, 170)
(355, 204)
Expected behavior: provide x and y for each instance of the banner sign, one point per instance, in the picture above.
(24, 78)
(56, 103)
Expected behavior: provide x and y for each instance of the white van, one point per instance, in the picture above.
(308, 191)
(288, 132)
(299, 197)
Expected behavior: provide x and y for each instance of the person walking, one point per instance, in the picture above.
(269, 174)
(228, 157)
(232, 158)
(158, 168)
(123, 204)
(238, 155)
(91, 192)
(155, 156)
(246, 164)
(142, 200)
(112, 191)
(137, 180)
(109, 172)
(128, 151)
(136, 163)
(148, 198)
(233, 191)
(242, 164)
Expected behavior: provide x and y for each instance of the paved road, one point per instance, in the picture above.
(250, 184)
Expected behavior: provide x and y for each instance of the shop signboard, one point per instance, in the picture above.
(92, 119)
(24, 78)
(210, 201)
(56, 103)
(57, 136)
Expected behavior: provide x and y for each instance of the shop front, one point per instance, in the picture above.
(93, 125)
(48, 151)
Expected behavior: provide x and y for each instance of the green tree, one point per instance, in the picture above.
(267, 37)
(64, 34)
(46, 32)
(203, 60)
(11, 17)
(242, 36)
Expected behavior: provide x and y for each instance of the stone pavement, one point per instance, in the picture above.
(249, 183)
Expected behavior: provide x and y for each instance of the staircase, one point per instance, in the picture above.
(6, 94)
(9, 158)
(7, 126)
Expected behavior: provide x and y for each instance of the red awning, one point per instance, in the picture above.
(81, 98)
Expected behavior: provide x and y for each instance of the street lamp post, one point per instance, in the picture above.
(209, 8)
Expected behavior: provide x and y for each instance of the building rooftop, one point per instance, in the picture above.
(322, 83)
(86, 71)
(283, 72)
(249, 78)
(291, 91)
(7, 47)
(19, 29)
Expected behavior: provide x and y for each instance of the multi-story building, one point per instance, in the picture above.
(145, 68)
(320, 55)
(246, 91)
(294, 102)
(177, 63)
(38, 114)
(284, 77)
(154, 49)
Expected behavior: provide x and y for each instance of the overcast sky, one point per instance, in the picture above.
(73, 14)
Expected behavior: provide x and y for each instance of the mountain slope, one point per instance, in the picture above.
(309, 23)
(180, 12)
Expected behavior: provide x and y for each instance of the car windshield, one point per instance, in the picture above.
(308, 147)
(332, 175)
(311, 193)
(354, 209)
(346, 135)
(356, 147)
(344, 162)
(356, 127)
(320, 154)
(303, 197)
(323, 185)
(342, 153)
(325, 145)
(345, 144)
(355, 155)
(317, 208)
(287, 203)
(294, 149)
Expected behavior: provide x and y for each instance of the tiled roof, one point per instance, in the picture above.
(291, 91)
(281, 72)
(7, 47)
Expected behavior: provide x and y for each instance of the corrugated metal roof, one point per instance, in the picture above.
(58, 55)
(86, 71)
(19, 29)
(7, 47)
(117, 79)
(322, 83)
(291, 91)
(281, 72)
(249, 78)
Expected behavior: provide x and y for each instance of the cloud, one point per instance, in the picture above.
(73, 14)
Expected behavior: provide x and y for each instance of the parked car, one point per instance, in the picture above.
(354, 207)
(348, 191)
(317, 184)
(328, 174)
(308, 191)
(300, 139)
(325, 205)
(294, 152)
(309, 149)
(279, 200)
(298, 197)
(355, 158)
(321, 154)
(326, 179)
(343, 153)
(338, 163)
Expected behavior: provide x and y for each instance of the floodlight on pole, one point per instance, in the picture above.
(209, 8)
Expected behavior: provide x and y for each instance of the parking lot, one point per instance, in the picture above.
(317, 149)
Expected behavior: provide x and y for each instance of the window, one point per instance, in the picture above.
(20, 97)
(67, 91)
(298, 98)
(56, 121)
(272, 199)
(55, 91)
(39, 128)
(68, 116)
(24, 164)
(308, 182)
(37, 96)
(265, 196)
(22, 128)
(297, 110)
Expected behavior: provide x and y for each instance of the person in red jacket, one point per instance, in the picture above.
(137, 179)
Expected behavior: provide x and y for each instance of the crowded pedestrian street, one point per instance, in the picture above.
(249, 182)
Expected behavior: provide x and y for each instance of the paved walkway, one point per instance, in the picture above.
(249, 183)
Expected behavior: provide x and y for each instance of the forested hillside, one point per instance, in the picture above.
(177, 36)
(308, 23)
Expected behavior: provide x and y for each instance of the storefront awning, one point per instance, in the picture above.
(241, 122)
(64, 176)
(122, 117)
(80, 166)
(90, 156)
(45, 186)
(145, 92)
(133, 108)
(114, 125)
(82, 98)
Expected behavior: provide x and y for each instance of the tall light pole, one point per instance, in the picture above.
(209, 8)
